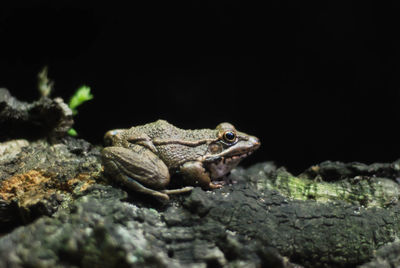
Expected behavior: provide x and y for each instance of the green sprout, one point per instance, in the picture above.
(72, 132)
(81, 95)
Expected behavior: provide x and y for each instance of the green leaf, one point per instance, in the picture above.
(81, 95)
(72, 132)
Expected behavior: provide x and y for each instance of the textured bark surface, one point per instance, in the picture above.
(58, 210)
(387, 256)
(36, 178)
(44, 117)
(66, 206)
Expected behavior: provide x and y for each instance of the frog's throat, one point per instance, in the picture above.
(181, 142)
(222, 166)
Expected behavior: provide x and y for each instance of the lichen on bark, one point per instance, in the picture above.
(360, 190)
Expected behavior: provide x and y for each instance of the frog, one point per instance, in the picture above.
(143, 158)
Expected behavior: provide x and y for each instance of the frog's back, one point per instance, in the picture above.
(161, 129)
(172, 149)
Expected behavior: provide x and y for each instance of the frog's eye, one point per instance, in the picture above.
(229, 136)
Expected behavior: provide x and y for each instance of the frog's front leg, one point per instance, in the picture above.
(138, 168)
(195, 174)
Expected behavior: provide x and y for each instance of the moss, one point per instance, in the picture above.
(364, 191)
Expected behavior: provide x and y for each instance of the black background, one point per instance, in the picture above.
(313, 82)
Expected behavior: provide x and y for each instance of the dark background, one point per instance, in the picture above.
(313, 82)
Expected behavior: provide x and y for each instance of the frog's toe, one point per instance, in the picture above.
(214, 185)
(178, 191)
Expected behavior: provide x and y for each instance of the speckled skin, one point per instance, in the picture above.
(174, 155)
(143, 157)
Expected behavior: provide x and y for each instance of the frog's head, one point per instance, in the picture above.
(228, 150)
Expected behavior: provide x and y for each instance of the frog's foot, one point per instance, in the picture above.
(178, 191)
(216, 184)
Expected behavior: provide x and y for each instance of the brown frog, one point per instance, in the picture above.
(143, 157)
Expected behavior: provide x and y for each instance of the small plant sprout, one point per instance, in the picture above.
(45, 85)
(81, 95)
(72, 132)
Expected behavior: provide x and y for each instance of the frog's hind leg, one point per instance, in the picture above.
(136, 186)
(137, 168)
